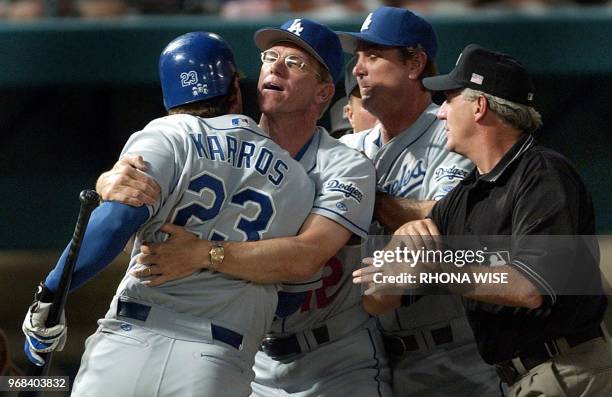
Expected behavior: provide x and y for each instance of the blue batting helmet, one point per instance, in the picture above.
(194, 67)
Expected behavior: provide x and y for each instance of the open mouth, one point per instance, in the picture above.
(272, 86)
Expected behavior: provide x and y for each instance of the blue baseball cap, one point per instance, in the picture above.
(318, 40)
(393, 27)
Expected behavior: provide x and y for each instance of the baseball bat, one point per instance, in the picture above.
(89, 201)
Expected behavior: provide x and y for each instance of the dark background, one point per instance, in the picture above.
(71, 93)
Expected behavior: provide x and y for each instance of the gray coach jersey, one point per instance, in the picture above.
(223, 179)
(415, 164)
(345, 186)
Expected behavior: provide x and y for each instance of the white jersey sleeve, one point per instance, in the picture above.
(345, 183)
(444, 169)
(164, 148)
(367, 142)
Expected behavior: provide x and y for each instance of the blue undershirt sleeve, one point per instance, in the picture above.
(110, 227)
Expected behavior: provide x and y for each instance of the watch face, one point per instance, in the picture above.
(216, 255)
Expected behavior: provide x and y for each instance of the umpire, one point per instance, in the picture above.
(542, 340)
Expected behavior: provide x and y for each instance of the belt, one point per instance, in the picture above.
(511, 370)
(397, 346)
(138, 311)
(283, 347)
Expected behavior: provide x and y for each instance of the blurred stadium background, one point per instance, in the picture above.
(78, 77)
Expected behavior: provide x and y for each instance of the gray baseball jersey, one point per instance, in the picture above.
(415, 164)
(353, 361)
(223, 179)
(345, 185)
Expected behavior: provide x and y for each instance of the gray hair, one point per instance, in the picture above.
(522, 117)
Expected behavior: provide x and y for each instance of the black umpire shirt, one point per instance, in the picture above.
(531, 191)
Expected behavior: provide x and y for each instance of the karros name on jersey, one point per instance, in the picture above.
(409, 179)
(348, 189)
(241, 154)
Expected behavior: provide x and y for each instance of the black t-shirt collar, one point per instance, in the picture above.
(520, 147)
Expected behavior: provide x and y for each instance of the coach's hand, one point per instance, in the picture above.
(375, 278)
(181, 255)
(393, 269)
(39, 338)
(127, 184)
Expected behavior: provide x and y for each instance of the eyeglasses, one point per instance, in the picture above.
(294, 62)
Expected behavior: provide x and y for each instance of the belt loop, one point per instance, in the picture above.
(518, 364)
(604, 331)
(303, 342)
(562, 346)
(311, 340)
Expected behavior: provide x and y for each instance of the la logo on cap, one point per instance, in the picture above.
(367, 22)
(296, 27)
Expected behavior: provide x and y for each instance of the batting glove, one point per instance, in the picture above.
(39, 338)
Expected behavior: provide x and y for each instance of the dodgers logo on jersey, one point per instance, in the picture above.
(348, 189)
(449, 173)
(409, 179)
(296, 27)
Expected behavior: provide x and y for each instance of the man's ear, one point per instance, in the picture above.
(348, 113)
(325, 92)
(417, 64)
(481, 107)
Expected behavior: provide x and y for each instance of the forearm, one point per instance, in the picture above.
(507, 286)
(393, 212)
(111, 225)
(287, 259)
(271, 261)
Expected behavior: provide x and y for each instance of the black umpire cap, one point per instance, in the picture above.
(491, 72)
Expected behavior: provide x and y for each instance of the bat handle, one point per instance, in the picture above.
(89, 197)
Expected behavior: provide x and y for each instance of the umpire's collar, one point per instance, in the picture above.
(520, 147)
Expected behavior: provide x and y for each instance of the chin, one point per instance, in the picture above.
(450, 147)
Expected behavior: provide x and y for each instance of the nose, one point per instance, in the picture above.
(359, 69)
(277, 66)
(442, 111)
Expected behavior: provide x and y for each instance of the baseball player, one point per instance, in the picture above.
(347, 115)
(331, 347)
(429, 342)
(220, 177)
(356, 114)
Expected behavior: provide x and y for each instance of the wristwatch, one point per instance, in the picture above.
(216, 253)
